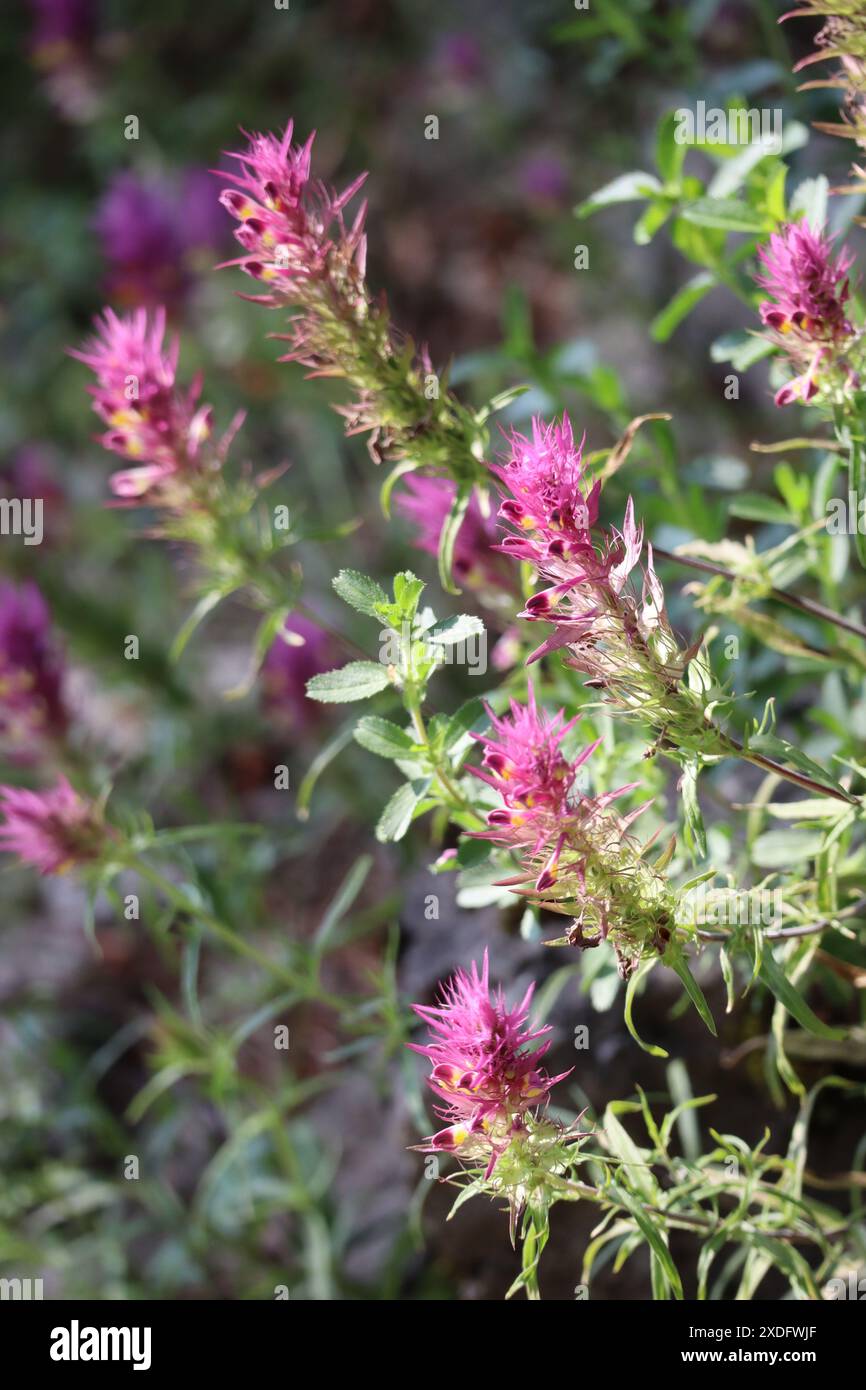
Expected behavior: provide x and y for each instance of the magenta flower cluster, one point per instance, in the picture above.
(808, 287)
(290, 225)
(550, 516)
(484, 1067)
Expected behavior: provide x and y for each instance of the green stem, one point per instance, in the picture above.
(453, 792)
(218, 928)
(799, 779)
(795, 601)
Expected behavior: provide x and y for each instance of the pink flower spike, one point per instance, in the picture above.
(483, 1067)
(289, 222)
(808, 285)
(153, 423)
(525, 763)
(805, 315)
(546, 508)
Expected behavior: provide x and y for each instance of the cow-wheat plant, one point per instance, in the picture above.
(537, 789)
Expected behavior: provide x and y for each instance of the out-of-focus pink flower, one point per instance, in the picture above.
(483, 1066)
(808, 284)
(287, 668)
(30, 473)
(460, 56)
(150, 230)
(62, 46)
(151, 420)
(477, 564)
(506, 652)
(62, 29)
(544, 178)
(201, 220)
(291, 226)
(31, 672)
(54, 829)
(809, 287)
(135, 223)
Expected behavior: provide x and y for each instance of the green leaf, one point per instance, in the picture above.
(733, 173)
(858, 485)
(817, 808)
(685, 299)
(771, 746)
(637, 1171)
(725, 214)
(382, 737)
(448, 536)
(670, 152)
(651, 220)
(810, 199)
(653, 1236)
(755, 506)
(777, 981)
(470, 713)
(627, 188)
(408, 588)
(471, 852)
(269, 630)
(356, 681)
(205, 605)
(402, 468)
(642, 971)
(782, 849)
(694, 821)
(360, 592)
(343, 900)
(694, 991)
(397, 815)
(741, 348)
(323, 759)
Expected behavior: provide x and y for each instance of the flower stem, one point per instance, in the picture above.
(802, 605)
(784, 933)
(799, 779)
(218, 928)
(453, 792)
